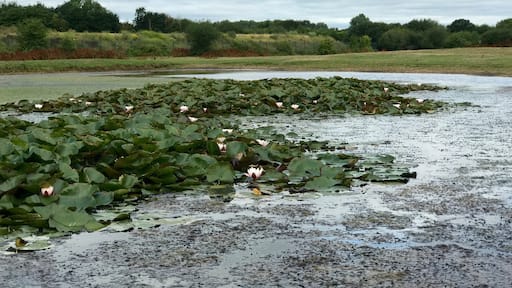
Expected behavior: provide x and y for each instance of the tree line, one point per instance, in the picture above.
(362, 34)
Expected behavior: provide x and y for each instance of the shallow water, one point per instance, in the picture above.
(449, 227)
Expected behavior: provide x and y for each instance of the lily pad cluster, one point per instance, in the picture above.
(205, 97)
(56, 174)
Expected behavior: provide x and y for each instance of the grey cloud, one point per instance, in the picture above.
(332, 12)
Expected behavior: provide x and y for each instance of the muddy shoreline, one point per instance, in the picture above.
(450, 227)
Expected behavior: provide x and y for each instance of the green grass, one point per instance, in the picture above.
(481, 61)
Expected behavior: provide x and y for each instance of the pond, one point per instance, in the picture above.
(448, 227)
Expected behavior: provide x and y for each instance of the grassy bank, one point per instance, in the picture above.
(481, 61)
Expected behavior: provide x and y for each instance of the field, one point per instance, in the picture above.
(479, 61)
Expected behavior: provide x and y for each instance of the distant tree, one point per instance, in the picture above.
(13, 14)
(361, 44)
(88, 15)
(504, 24)
(497, 37)
(32, 34)
(201, 37)
(359, 25)
(462, 39)
(460, 25)
(427, 34)
(396, 39)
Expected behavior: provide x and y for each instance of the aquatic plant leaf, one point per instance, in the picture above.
(12, 183)
(235, 147)
(68, 149)
(220, 173)
(128, 181)
(78, 195)
(68, 173)
(91, 175)
(321, 183)
(305, 167)
(6, 147)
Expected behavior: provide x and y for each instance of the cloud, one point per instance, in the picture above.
(332, 12)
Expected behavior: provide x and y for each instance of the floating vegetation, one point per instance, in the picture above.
(110, 147)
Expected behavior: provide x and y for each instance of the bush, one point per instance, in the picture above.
(201, 37)
(32, 34)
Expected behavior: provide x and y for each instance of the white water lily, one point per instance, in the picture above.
(295, 106)
(38, 106)
(315, 101)
(47, 191)
(386, 89)
(229, 131)
(419, 100)
(241, 95)
(192, 119)
(263, 143)
(87, 103)
(72, 99)
(254, 172)
(279, 104)
(221, 139)
(205, 109)
(397, 105)
(183, 109)
(128, 108)
(222, 147)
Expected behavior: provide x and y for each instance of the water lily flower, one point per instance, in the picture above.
(397, 105)
(315, 101)
(386, 89)
(47, 191)
(263, 143)
(254, 173)
(192, 119)
(87, 103)
(222, 147)
(419, 100)
(72, 99)
(183, 109)
(128, 108)
(241, 95)
(279, 104)
(205, 109)
(229, 131)
(38, 106)
(295, 106)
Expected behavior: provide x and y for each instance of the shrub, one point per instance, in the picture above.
(201, 37)
(32, 34)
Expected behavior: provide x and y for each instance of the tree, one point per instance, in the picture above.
(396, 39)
(460, 25)
(462, 39)
(32, 34)
(88, 15)
(201, 37)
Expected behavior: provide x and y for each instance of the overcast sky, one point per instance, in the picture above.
(335, 13)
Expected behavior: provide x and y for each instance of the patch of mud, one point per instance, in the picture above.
(450, 227)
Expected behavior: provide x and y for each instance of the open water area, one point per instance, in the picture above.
(451, 226)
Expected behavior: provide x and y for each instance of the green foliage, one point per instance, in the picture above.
(396, 39)
(32, 34)
(88, 15)
(462, 39)
(498, 37)
(201, 37)
(461, 25)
